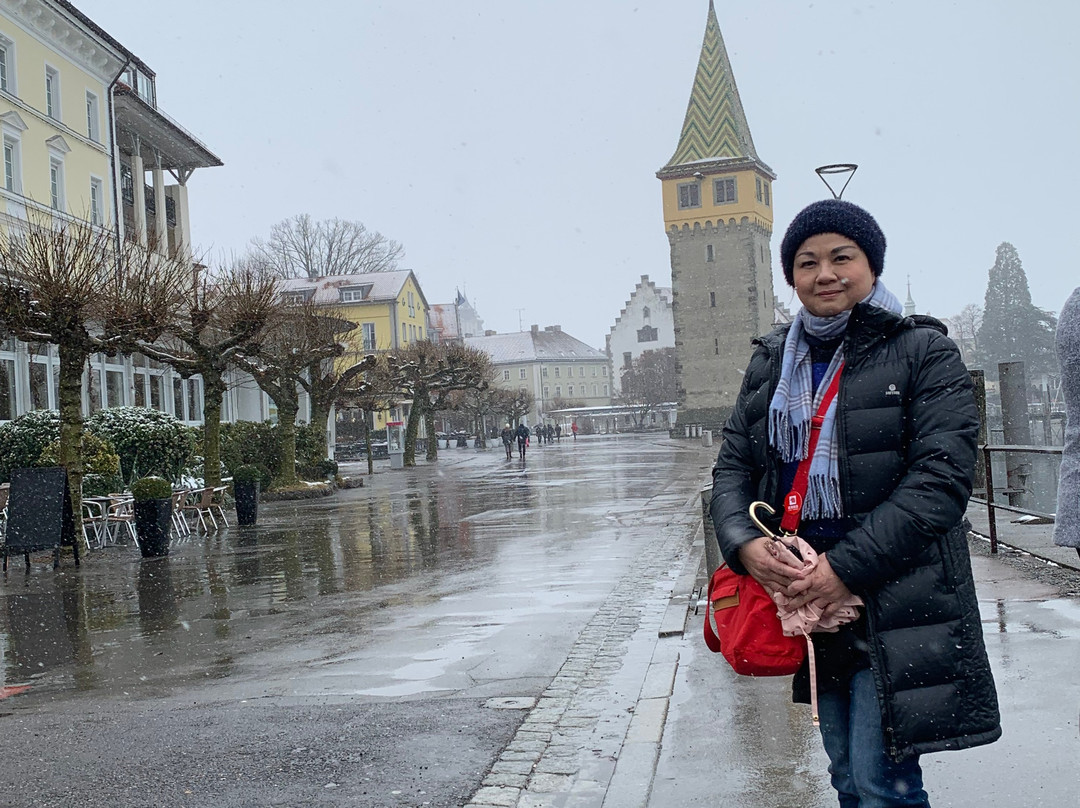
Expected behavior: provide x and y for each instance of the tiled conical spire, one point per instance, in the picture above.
(715, 126)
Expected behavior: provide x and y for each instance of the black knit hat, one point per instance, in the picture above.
(833, 216)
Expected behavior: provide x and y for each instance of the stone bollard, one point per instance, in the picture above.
(706, 437)
(688, 432)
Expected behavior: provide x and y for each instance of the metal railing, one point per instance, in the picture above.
(991, 506)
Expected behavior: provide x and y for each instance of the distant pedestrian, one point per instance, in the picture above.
(549, 433)
(522, 439)
(558, 433)
(1067, 523)
(573, 428)
(508, 440)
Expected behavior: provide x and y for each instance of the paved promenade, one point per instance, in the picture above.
(694, 733)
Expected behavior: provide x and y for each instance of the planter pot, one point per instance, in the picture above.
(247, 502)
(153, 525)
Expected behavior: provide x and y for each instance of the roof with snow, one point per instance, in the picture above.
(327, 289)
(551, 344)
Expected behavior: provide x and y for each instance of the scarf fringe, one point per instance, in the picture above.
(823, 499)
(791, 441)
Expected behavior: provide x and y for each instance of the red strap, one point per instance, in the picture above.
(793, 502)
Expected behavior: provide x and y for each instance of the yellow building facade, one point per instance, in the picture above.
(81, 131)
(54, 80)
(389, 309)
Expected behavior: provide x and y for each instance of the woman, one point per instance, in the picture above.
(888, 486)
(1067, 524)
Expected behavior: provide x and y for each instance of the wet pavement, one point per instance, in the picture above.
(380, 647)
(473, 632)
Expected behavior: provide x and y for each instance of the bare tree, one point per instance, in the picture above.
(327, 379)
(71, 284)
(648, 382)
(225, 314)
(427, 372)
(964, 330)
(301, 247)
(371, 391)
(513, 404)
(296, 336)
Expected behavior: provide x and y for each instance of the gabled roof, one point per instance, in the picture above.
(662, 292)
(327, 289)
(715, 127)
(550, 345)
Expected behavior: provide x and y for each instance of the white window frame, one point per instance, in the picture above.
(8, 83)
(52, 93)
(93, 117)
(569, 390)
(56, 183)
(506, 375)
(522, 374)
(97, 201)
(368, 332)
(12, 163)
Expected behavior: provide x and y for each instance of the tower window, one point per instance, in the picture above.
(689, 195)
(709, 252)
(768, 202)
(645, 313)
(716, 346)
(712, 300)
(757, 183)
(725, 191)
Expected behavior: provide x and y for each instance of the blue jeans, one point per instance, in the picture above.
(863, 774)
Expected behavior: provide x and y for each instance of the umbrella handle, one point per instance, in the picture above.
(757, 521)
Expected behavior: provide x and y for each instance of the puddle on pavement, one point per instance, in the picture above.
(318, 569)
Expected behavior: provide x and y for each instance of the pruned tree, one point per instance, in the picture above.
(513, 404)
(478, 404)
(427, 372)
(295, 337)
(372, 390)
(327, 378)
(225, 313)
(71, 284)
(301, 247)
(1013, 329)
(648, 382)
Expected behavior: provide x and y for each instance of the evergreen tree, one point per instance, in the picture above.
(1013, 329)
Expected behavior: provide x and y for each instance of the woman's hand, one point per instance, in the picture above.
(820, 585)
(759, 556)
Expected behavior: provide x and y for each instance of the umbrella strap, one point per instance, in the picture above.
(812, 660)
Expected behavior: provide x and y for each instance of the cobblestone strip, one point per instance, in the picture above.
(565, 751)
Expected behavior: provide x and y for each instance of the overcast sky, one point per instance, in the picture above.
(512, 146)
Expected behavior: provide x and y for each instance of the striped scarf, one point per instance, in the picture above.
(795, 402)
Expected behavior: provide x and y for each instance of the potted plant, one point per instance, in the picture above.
(246, 483)
(153, 515)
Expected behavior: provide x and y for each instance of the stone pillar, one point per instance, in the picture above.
(161, 231)
(183, 224)
(1017, 428)
(138, 182)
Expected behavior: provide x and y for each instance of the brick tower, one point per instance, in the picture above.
(718, 215)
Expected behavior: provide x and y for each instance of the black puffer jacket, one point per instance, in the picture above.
(907, 427)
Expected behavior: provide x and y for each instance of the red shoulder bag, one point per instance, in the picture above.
(741, 619)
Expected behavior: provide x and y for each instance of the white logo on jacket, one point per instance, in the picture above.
(892, 391)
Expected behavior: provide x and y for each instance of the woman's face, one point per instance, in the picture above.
(831, 274)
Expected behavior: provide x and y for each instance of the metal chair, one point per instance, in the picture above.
(93, 521)
(121, 511)
(179, 523)
(218, 502)
(201, 504)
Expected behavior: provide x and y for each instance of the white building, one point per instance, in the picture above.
(645, 324)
